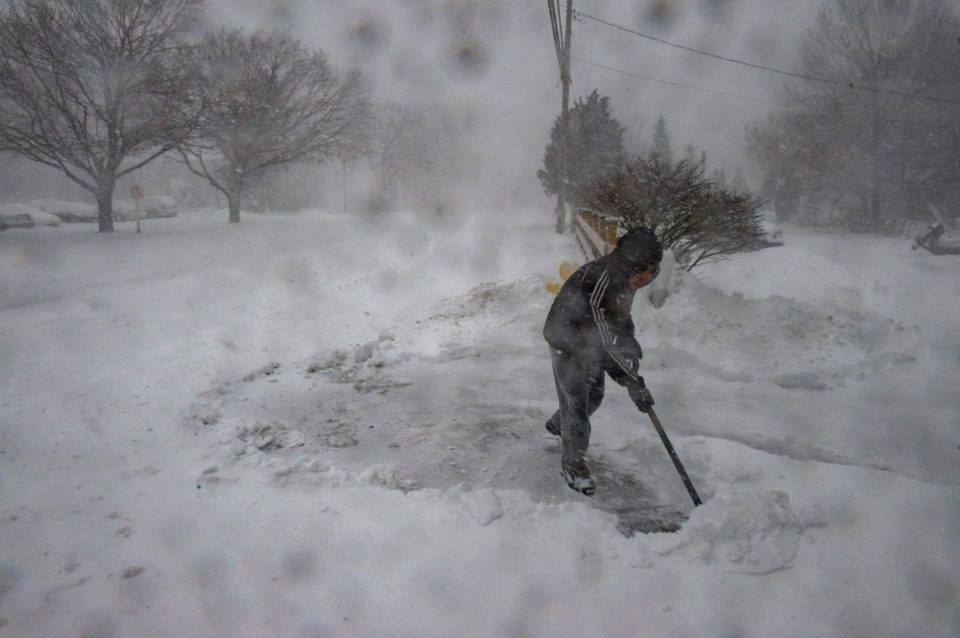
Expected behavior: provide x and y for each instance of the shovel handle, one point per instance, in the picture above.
(673, 457)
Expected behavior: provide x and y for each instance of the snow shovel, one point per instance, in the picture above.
(673, 457)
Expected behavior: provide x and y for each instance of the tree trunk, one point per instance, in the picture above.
(234, 192)
(105, 205)
(233, 203)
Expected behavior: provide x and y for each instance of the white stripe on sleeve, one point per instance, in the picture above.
(599, 318)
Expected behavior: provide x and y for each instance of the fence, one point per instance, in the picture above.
(595, 232)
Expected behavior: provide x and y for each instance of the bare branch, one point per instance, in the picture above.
(698, 220)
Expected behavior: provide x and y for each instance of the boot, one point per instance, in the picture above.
(553, 428)
(577, 476)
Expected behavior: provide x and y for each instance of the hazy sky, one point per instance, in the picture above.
(493, 62)
(495, 59)
(756, 31)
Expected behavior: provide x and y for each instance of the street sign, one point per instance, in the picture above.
(136, 192)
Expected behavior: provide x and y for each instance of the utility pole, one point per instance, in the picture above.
(565, 117)
(561, 37)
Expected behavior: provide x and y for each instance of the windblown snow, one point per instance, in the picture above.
(309, 425)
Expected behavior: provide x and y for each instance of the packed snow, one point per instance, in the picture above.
(329, 425)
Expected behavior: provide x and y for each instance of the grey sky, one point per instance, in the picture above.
(493, 62)
(494, 59)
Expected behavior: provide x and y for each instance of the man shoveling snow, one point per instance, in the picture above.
(590, 334)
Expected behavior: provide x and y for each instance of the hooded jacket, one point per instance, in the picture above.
(591, 314)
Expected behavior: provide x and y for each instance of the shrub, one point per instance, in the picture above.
(697, 219)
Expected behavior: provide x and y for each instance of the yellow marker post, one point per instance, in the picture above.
(566, 269)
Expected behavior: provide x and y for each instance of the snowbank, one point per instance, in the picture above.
(339, 431)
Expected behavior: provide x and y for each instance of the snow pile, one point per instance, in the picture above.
(790, 341)
(748, 531)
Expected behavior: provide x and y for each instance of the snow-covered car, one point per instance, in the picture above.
(25, 216)
(772, 236)
(150, 207)
(69, 212)
(159, 206)
(124, 210)
(939, 241)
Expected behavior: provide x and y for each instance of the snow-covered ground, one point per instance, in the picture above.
(318, 425)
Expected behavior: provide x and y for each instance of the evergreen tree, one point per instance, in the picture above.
(594, 145)
(719, 177)
(661, 143)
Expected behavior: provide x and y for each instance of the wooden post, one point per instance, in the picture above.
(137, 194)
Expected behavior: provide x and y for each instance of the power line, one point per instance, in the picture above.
(801, 76)
(555, 26)
(685, 86)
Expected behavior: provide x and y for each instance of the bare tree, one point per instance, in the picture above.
(399, 151)
(93, 87)
(661, 148)
(880, 126)
(270, 101)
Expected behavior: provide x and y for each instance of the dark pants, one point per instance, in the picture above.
(580, 379)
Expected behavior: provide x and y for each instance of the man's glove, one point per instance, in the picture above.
(630, 350)
(629, 353)
(639, 394)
